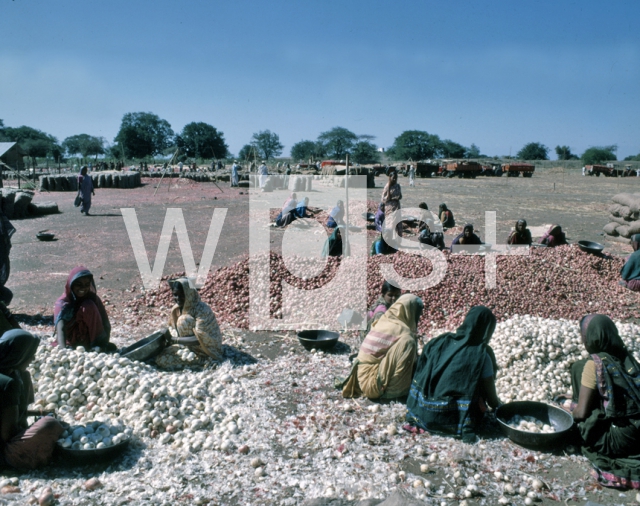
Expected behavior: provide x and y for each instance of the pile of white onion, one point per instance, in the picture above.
(535, 356)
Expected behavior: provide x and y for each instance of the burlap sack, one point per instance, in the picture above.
(634, 228)
(623, 230)
(620, 211)
(630, 200)
(619, 221)
(610, 228)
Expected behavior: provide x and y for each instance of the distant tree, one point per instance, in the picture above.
(201, 140)
(35, 143)
(304, 150)
(57, 152)
(599, 154)
(632, 158)
(533, 151)
(267, 143)
(337, 142)
(450, 149)
(473, 152)
(247, 152)
(564, 153)
(143, 134)
(415, 145)
(84, 144)
(365, 152)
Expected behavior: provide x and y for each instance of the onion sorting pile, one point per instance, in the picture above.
(561, 282)
(534, 356)
(530, 424)
(187, 409)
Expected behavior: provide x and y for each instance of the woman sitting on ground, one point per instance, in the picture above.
(428, 238)
(302, 210)
(388, 296)
(288, 212)
(384, 366)
(454, 378)
(446, 217)
(521, 234)
(467, 237)
(21, 446)
(380, 247)
(554, 237)
(606, 388)
(333, 244)
(630, 271)
(80, 318)
(336, 216)
(193, 325)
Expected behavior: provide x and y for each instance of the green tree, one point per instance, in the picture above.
(533, 151)
(247, 152)
(337, 142)
(84, 144)
(35, 143)
(450, 149)
(415, 145)
(564, 153)
(365, 152)
(201, 140)
(143, 134)
(473, 152)
(599, 154)
(304, 150)
(267, 143)
(632, 158)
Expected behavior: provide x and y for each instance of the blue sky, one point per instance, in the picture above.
(498, 74)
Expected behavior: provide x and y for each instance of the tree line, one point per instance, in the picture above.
(143, 135)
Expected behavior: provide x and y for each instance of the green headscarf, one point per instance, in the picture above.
(444, 387)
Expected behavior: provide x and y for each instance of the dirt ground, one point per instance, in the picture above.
(100, 241)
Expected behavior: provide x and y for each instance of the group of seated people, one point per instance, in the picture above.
(80, 319)
(451, 384)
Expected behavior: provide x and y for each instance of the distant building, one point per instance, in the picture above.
(11, 155)
(381, 150)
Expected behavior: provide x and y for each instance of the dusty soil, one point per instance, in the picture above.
(100, 241)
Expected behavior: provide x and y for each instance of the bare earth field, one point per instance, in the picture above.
(313, 444)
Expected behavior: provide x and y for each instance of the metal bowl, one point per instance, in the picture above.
(590, 247)
(319, 339)
(369, 216)
(44, 236)
(146, 348)
(93, 456)
(558, 418)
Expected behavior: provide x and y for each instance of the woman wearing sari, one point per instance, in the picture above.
(336, 216)
(630, 271)
(193, 325)
(467, 237)
(288, 212)
(521, 234)
(554, 237)
(85, 189)
(333, 244)
(21, 446)
(454, 378)
(80, 318)
(385, 362)
(446, 217)
(391, 197)
(606, 388)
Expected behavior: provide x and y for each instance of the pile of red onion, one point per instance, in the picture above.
(554, 283)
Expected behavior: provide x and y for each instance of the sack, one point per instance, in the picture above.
(78, 201)
(610, 228)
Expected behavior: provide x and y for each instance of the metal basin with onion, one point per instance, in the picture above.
(318, 339)
(558, 418)
(146, 348)
(92, 456)
(595, 248)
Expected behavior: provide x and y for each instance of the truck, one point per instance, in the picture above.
(462, 169)
(515, 169)
(609, 170)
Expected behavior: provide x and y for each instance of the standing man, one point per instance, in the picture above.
(180, 166)
(235, 175)
(264, 174)
(412, 175)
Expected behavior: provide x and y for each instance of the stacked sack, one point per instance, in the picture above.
(624, 218)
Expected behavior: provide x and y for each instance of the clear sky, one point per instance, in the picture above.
(498, 74)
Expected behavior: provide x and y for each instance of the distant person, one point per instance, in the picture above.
(521, 234)
(412, 175)
(554, 237)
(180, 167)
(467, 237)
(6, 232)
(584, 170)
(446, 217)
(391, 196)
(263, 171)
(85, 189)
(235, 174)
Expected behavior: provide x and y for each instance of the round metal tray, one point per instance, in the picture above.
(319, 339)
(558, 418)
(95, 455)
(146, 348)
(591, 247)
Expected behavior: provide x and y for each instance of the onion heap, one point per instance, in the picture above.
(530, 424)
(190, 410)
(559, 283)
(534, 356)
